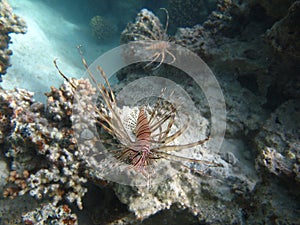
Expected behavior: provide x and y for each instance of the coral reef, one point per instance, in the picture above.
(245, 111)
(102, 29)
(5, 114)
(254, 87)
(50, 214)
(10, 23)
(200, 194)
(146, 26)
(277, 8)
(189, 13)
(216, 43)
(61, 172)
(275, 203)
(46, 164)
(283, 39)
(259, 180)
(226, 41)
(278, 141)
(283, 34)
(203, 196)
(44, 160)
(11, 210)
(149, 42)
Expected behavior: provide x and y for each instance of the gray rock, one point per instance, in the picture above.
(278, 141)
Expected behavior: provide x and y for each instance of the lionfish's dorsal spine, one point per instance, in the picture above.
(142, 129)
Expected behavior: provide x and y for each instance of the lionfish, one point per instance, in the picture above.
(155, 40)
(152, 131)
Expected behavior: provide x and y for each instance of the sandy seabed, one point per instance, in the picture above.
(50, 36)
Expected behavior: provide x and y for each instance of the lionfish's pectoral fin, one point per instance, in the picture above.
(178, 158)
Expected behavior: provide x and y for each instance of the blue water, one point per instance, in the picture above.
(55, 28)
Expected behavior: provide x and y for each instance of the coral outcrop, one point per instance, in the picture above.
(189, 13)
(102, 29)
(44, 158)
(46, 164)
(11, 210)
(276, 9)
(278, 141)
(146, 26)
(227, 39)
(9, 23)
(57, 171)
(202, 195)
(283, 39)
(249, 45)
(227, 45)
(50, 214)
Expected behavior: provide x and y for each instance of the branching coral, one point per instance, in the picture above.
(50, 214)
(45, 161)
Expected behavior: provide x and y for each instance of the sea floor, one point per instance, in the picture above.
(50, 35)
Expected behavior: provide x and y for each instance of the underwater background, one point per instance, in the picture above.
(251, 46)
